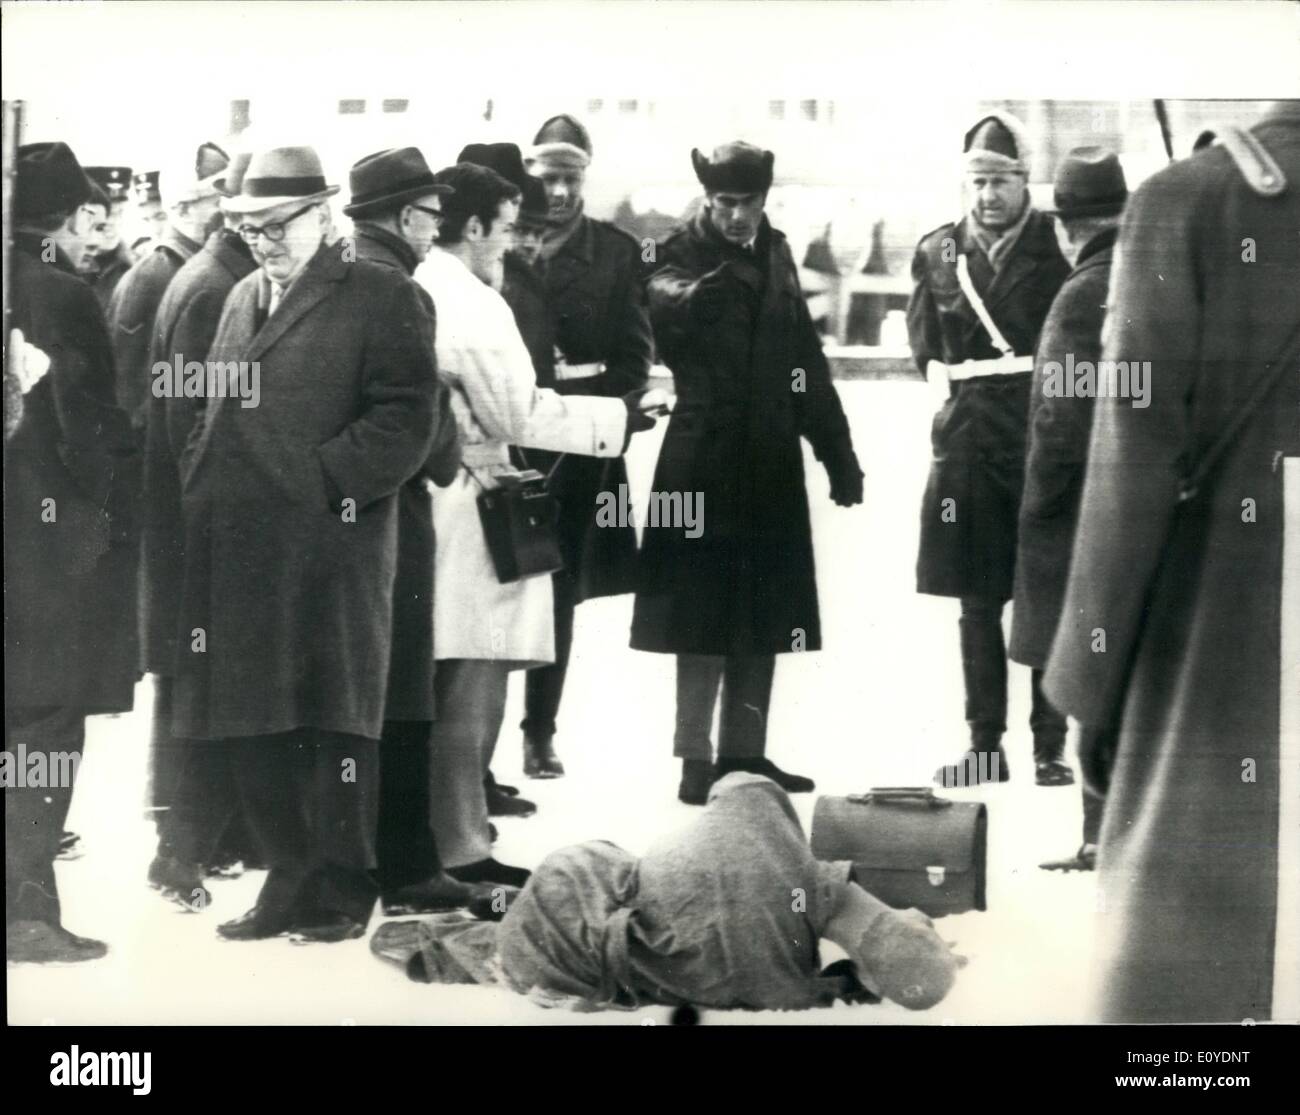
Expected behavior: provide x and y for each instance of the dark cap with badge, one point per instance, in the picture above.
(115, 181)
(738, 167)
(1089, 183)
(144, 185)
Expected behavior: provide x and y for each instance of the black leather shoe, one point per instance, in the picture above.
(39, 942)
(255, 925)
(490, 783)
(327, 929)
(975, 768)
(698, 777)
(502, 805)
(429, 896)
(490, 871)
(181, 882)
(790, 783)
(540, 760)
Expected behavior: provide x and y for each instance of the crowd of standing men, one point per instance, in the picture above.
(329, 630)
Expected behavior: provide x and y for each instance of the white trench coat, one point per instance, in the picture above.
(497, 404)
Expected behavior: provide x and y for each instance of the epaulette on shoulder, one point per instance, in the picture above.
(1257, 166)
(940, 231)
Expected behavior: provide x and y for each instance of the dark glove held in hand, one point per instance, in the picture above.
(636, 420)
(709, 297)
(845, 477)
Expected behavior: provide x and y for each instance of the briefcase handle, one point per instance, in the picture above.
(921, 796)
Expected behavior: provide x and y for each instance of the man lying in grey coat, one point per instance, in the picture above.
(727, 913)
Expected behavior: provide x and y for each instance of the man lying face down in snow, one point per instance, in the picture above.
(725, 914)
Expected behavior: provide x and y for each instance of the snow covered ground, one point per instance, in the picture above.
(880, 705)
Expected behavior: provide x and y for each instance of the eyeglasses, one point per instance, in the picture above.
(437, 214)
(274, 231)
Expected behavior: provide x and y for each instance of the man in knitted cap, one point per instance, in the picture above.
(70, 478)
(595, 303)
(983, 286)
(728, 914)
(752, 381)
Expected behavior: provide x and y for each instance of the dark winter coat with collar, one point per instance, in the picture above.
(184, 327)
(968, 546)
(291, 506)
(1059, 426)
(747, 583)
(411, 669)
(71, 476)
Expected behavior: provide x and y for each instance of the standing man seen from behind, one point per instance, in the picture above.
(1189, 510)
(290, 492)
(71, 480)
(983, 286)
(740, 588)
(1090, 193)
(591, 272)
(396, 210)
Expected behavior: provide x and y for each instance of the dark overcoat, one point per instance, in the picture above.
(411, 669)
(71, 477)
(747, 584)
(1187, 595)
(596, 303)
(978, 435)
(131, 314)
(184, 327)
(291, 505)
(1058, 454)
(111, 268)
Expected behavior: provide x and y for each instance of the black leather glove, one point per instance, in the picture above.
(709, 295)
(845, 476)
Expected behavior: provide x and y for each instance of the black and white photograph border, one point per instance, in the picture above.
(870, 111)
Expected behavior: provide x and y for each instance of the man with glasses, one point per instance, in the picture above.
(291, 536)
(396, 211)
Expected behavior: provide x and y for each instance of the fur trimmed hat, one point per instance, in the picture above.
(997, 144)
(561, 142)
(737, 167)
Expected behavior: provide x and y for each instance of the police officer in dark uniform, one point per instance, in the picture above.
(983, 286)
(113, 259)
(148, 217)
(592, 276)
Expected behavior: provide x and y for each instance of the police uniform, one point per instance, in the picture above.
(972, 497)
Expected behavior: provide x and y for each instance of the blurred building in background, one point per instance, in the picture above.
(858, 181)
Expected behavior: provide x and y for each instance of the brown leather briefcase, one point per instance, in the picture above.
(909, 848)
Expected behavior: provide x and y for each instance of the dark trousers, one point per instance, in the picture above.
(746, 684)
(311, 799)
(405, 847)
(205, 824)
(545, 684)
(167, 754)
(984, 668)
(34, 814)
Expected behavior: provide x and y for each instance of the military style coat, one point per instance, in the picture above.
(747, 584)
(968, 547)
(71, 474)
(1188, 595)
(131, 314)
(410, 671)
(291, 506)
(184, 327)
(1058, 454)
(111, 269)
(596, 305)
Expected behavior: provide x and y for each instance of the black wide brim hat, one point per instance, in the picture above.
(388, 180)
